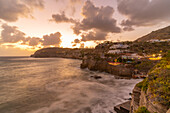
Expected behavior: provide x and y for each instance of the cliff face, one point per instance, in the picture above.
(140, 98)
(153, 92)
(163, 33)
(103, 66)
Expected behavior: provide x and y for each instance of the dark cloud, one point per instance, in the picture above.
(128, 28)
(97, 20)
(144, 12)
(34, 41)
(77, 41)
(10, 34)
(52, 39)
(82, 45)
(74, 45)
(93, 36)
(11, 10)
(59, 18)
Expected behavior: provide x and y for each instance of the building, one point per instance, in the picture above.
(131, 56)
(117, 51)
(120, 46)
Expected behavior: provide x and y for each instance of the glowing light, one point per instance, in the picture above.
(114, 63)
(157, 58)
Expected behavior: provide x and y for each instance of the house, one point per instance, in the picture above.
(154, 40)
(117, 51)
(131, 56)
(121, 46)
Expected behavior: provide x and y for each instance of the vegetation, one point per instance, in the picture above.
(142, 110)
(143, 85)
(150, 48)
(145, 65)
(158, 82)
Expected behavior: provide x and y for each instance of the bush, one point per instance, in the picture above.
(159, 82)
(145, 65)
(142, 110)
(143, 85)
(140, 84)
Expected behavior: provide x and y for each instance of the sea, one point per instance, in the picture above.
(58, 85)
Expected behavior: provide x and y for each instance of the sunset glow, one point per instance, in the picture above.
(40, 22)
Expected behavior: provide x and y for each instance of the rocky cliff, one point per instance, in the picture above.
(153, 92)
(102, 65)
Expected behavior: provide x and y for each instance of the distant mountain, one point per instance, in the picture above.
(163, 33)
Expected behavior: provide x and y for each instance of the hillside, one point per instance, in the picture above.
(153, 92)
(61, 52)
(163, 33)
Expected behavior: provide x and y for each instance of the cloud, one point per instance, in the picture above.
(34, 41)
(128, 28)
(11, 34)
(52, 39)
(35, 3)
(93, 36)
(82, 45)
(11, 10)
(144, 12)
(59, 18)
(77, 41)
(74, 45)
(71, 5)
(96, 19)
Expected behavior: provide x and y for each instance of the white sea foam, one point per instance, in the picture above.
(81, 96)
(58, 86)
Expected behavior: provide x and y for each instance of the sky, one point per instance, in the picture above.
(29, 25)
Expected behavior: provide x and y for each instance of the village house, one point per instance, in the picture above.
(115, 51)
(120, 46)
(131, 56)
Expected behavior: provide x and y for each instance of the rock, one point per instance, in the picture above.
(102, 65)
(97, 77)
(135, 99)
(123, 108)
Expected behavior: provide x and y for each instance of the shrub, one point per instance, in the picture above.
(142, 110)
(143, 85)
(159, 82)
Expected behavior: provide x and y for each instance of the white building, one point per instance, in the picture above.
(115, 46)
(115, 51)
(157, 40)
(154, 40)
(131, 56)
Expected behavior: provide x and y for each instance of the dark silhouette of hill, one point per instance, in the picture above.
(160, 34)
